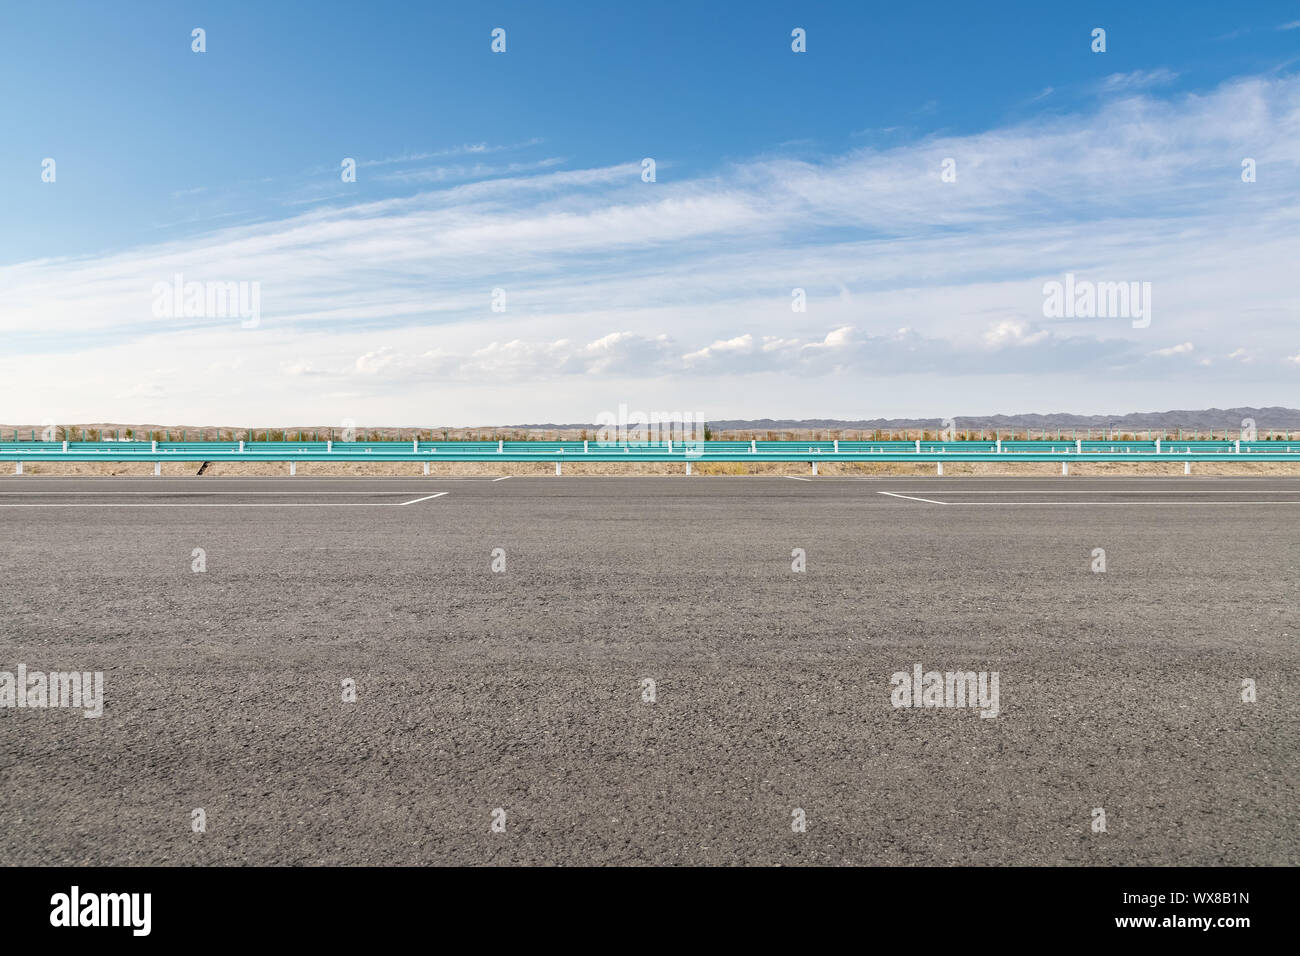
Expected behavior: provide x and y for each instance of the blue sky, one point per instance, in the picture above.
(522, 172)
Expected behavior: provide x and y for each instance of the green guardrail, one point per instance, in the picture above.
(720, 451)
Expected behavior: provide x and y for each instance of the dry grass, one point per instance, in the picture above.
(492, 433)
(91, 469)
(377, 469)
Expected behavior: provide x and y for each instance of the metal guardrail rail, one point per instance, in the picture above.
(663, 451)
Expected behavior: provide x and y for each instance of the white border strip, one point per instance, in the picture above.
(929, 501)
(244, 504)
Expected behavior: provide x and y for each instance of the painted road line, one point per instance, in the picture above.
(929, 501)
(235, 504)
(29, 479)
(193, 494)
(1124, 491)
(1089, 504)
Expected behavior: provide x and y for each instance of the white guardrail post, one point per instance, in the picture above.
(329, 447)
(241, 447)
(18, 468)
(1078, 446)
(837, 446)
(1157, 446)
(65, 446)
(153, 447)
(415, 446)
(999, 446)
(501, 446)
(753, 447)
(1237, 446)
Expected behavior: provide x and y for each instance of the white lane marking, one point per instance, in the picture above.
(192, 494)
(1122, 491)
(1050, 479)
(549, 477)
(796, 478)
(955, 504)
(416, 501)
(245, 504)
(226, 479)
(1071, 504)
(502, 478)
(911, 498)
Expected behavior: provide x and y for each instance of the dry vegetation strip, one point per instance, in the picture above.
(577, 468)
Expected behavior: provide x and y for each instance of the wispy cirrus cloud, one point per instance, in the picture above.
(440, 174)
(467, 149)
(616, 285)
(1137, 80)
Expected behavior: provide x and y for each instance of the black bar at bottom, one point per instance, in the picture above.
(970, 906)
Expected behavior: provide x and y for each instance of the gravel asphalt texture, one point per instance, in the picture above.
(523, 690)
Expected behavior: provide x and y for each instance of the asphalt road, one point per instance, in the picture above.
(523, 690)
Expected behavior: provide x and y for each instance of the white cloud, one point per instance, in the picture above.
(439, 174)
(741, 343)
(684, 284)
(1012, 332)
(1182, 349)
(1137, 80)
(472, 149)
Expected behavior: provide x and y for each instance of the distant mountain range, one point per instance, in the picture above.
(1274, 417)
